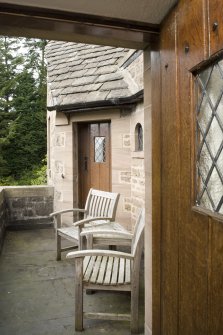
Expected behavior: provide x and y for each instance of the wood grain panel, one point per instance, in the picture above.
(192, 29)
(215, 25)
(83, 163)
(156, 187)
(216, 278)
(193, 229)
(170, 181)
(100, 172)
(192, 265)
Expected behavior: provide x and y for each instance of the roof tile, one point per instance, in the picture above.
(81, 73)
(114, 85)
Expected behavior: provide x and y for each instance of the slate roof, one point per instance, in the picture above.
(83, 75)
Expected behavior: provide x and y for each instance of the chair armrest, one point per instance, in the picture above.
(107, 231)
(68, 210)
(95, 252)
(81, 223)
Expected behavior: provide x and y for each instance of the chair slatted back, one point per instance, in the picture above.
(101, 204)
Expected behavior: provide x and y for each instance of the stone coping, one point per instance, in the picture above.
(26, 191)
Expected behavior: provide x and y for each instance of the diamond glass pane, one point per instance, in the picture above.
(214, 85)
(99, 149)
(209, 137)
(204, 113)
(219, 113)
(204, 163)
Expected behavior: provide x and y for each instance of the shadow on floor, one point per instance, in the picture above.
(37, 292)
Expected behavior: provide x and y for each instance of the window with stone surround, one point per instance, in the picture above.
(138, 137)
(209, 137)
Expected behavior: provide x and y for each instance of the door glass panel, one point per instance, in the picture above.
(99, 149)
(209, 137)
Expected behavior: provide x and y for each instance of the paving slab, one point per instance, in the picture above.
(37, 292)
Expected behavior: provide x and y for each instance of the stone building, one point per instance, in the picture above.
(95, 125)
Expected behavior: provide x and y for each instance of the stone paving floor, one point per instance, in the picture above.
(37, 292)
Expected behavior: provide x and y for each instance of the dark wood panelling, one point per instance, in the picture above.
(193, 230)
(216, 25)
(156, 188)
(170, 181)
(191, 241)
(192, 29)
(216, 278)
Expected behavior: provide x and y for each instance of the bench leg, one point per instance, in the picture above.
(78, 295)
(135, 310)
(89, 242)
(58, 238)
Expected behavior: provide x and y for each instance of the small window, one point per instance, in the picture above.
(99, 149)
(138, 137)
(209, 137)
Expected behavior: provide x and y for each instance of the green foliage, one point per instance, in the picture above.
(36, 176)
(10, 66)
(22, 111)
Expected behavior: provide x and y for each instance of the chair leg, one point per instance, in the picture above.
(78, 295)
(135, 310)
(89, 242)
(58, 238)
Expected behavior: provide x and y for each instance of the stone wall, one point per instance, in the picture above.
(137, 165)
(135, 68)
(28, 206)
(2, 217)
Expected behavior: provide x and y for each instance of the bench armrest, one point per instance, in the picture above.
(95, 252)
(81, 223)
(68, 210)
(106, 231)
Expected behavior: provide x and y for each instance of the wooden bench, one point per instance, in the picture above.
(109, 270)
(100, 209)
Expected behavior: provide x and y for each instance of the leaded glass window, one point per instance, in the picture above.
(209, 137)
(99, 149)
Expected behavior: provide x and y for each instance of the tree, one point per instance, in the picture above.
(23, 143)
(9, 71)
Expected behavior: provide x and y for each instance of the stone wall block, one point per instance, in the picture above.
(127, 203)
(60, 140)
(25, 206)
(17, 203)
(28, 212)
(126, 143)
(125, 177)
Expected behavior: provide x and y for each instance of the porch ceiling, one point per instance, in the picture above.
(127, 23)
(147, 11)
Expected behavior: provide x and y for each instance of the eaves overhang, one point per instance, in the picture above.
(124, 102)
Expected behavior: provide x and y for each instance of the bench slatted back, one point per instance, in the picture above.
(101, 204)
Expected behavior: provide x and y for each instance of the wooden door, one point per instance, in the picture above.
(93, 158)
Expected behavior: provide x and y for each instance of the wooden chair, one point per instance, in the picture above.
(100, 209)
(109, 270)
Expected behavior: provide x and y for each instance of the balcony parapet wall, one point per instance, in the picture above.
(28, 206)
(2, 217)
(25, 207)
